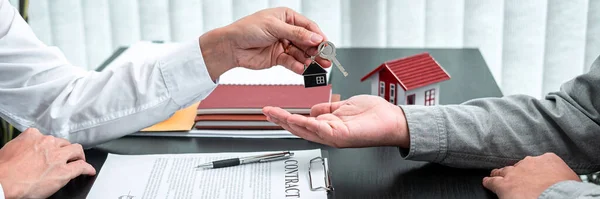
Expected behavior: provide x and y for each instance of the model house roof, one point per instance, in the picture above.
(414, 71)
(313, 69)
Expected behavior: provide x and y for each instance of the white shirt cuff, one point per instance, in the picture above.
(185, 74)
(1, 192)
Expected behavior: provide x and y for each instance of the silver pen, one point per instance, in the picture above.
(247, 160)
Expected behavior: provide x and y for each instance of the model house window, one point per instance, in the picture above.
(410, 100)
(320, 80)
(381, 89)
(430, 97)
(393, 93)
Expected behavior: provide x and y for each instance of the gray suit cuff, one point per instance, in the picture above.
(428, 140)
(571, 189)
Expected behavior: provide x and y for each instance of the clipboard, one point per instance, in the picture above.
(322, 163)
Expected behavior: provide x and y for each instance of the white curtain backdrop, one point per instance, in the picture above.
(531, 47)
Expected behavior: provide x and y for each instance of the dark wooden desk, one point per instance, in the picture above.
(377, 172)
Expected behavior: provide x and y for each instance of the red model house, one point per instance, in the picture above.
(407, 81)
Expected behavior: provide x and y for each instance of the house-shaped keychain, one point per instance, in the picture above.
(314, 75)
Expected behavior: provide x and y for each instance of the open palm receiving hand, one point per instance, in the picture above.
(361, 121)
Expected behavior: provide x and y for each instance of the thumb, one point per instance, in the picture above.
(296, 34)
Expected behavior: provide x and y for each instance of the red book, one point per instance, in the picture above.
(250, 99)
(233, 117)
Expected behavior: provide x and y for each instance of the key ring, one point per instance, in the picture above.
(322, 46)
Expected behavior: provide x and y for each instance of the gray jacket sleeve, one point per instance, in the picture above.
(495, 132)
(571, 189)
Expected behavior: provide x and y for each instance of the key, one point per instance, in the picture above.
(327, 51)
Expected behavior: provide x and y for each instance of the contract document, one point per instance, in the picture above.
(175, 176)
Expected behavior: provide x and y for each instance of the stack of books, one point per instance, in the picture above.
(240, 106)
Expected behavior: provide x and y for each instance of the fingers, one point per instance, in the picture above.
(334, 128)
(496, 180)
(303, 56)
(294, 18)
(297, 53)
(276, 112)
(502, 171)
(48, 141)
(296, 34)
(494, 184)
(306, 134)
(280, 123)
(80, 167)
(324, 108)
(320, 127)
(296, 124)
(303, 32)
(323, 62)
(296, 130)
(327, 127)
(311, 51)
(60, 142)
(320, 130)
(307, 50)
(496, 172)
(72, 152)
(314, 126)
(290, 63)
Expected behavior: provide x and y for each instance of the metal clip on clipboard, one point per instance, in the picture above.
(328, 187)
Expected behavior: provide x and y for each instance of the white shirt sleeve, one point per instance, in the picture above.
(39, 88)
(1, 189)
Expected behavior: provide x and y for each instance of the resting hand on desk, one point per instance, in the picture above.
(361, 121)
(529, 177)
(35, 166)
